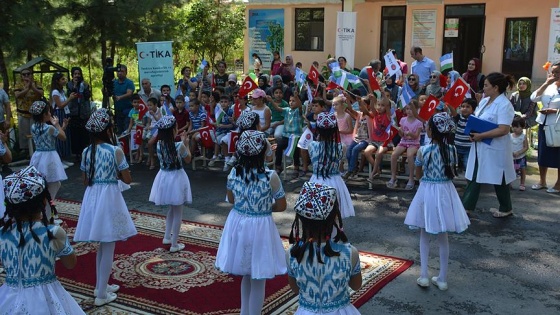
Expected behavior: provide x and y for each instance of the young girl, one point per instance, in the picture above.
(250, 228)
(380, 120)
(317, 107)
(153, 115)
(45, 158)
(59, 104)
(520, 145)
(325, 154)
(321, 269)
(409, 130)
(344, 123)
(171, 185)
(104, 216)
(29, 248)
(436, 207)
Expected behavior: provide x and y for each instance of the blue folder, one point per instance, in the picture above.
(475, 124)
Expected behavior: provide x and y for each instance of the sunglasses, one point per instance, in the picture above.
(26, 74)
(411, 79)
(433, 76)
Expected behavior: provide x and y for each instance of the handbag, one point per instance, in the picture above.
(552, 133)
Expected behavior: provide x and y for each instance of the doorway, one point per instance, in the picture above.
(466, 38)
(393, 26)
(519, 46)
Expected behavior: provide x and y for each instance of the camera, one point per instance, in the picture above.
(108, 76)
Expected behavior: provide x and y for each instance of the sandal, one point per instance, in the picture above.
(538, 186)
(500, 214)
(392, 183)
(409, 186)
(521, 187)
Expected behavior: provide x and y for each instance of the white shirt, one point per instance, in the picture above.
(549, 99)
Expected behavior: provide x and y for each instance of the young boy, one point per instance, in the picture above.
(224, 124)
(462, 141)
(293, 123)
(167, 103)
(181, 116)
(277, 118)
(198, 120)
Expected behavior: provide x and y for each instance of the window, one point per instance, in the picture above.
(309, 29)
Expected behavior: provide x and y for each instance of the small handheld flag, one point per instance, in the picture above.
(247, 86)
(407, 94)
(391, 63)
(454, 97)
(292, 146)
(429, 108)
(446, 62)
(313, 75)
(373, 84)
(203, 65)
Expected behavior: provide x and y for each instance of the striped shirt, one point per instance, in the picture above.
(462, 141)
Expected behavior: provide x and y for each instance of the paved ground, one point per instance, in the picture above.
(498, 266)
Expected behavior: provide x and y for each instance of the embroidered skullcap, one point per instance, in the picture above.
(251, 143)
(326, 120)
(37, 107)
(98, 121)
(444, 123)
(23, 185)
(247, 119)
(315, 201)
(165, 122)
(258, 93)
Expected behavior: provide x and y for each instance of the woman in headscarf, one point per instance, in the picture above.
(263, 82)
(473, 76)
(277, 82)
(288, 70)
(452, 76)
(434, 87)
(80, 110)
(521, 101)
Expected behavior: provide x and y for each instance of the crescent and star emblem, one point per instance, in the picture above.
(432, 105)
(457, 90)
(248, 85)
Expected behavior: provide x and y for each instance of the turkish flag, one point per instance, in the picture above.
(234, 136)
(392, 133)
(373, 84)
(456, 94)
(314, 75)
(429, 108)
(247, 86)
(123, 143)
(142, 108)
(442, 80)
(138, 135)
(332, 85)
(206, 137)
(236, 109)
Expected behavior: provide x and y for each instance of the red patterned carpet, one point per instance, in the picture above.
(155, 281)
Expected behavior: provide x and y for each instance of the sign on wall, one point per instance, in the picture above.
(451, 28)
(554, 36)
(155, 62)
(424, 28)
(346, 37)
(266, 35)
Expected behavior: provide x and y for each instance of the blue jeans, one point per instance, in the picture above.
(122, 120)
(463, 156)
(353, 152)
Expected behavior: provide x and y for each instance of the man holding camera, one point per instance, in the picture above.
(123, 88)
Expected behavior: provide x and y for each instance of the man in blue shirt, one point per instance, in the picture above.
(123, 89)
(421, 66)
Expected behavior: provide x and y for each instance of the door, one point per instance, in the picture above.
(393, 25)
(467, 38)
(519, 46)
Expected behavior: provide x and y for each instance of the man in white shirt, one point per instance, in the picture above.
(422, 65)
(147, 92)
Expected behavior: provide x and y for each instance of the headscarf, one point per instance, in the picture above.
(527, 92)
(454, 75)
(393, 81)
(434, 88)
(471, 76)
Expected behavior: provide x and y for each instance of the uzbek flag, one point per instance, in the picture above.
(446, 62)
(203, 65)
(292, 146)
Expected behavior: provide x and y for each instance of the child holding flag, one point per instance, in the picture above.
(292, 131)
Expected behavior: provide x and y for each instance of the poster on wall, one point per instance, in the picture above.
(451, 28)
(155, 62)
(554, 39)
(424, 28)
(266, 35)
(346, 37)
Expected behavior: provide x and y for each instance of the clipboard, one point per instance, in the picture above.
(475, 124)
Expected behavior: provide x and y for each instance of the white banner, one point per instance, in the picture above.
(554, 36)
(346, 37)
(155, 62)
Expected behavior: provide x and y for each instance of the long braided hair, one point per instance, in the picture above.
(246, 166)
(105, 136)
(312, 232)
(166, 141)
(446, 149)
(330, 137)
(17, 214)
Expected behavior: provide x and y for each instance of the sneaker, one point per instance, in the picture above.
(423, 282)
(67, 163)
(440, 284)
(177, 248)
(110, 298)
(111, 288)
(166, 241)
(232, 161)
(212, 161)
(226, 167)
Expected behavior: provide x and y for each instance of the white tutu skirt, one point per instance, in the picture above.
(252, 246)
(43, 299)
(171, 188)
(49, 165)
(343, 195)
(104, 216)
(437, 208)
(346, 310)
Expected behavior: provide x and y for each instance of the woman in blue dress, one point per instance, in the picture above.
(104, 216)
(321, 268)
(250, 245)
(29, 248)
